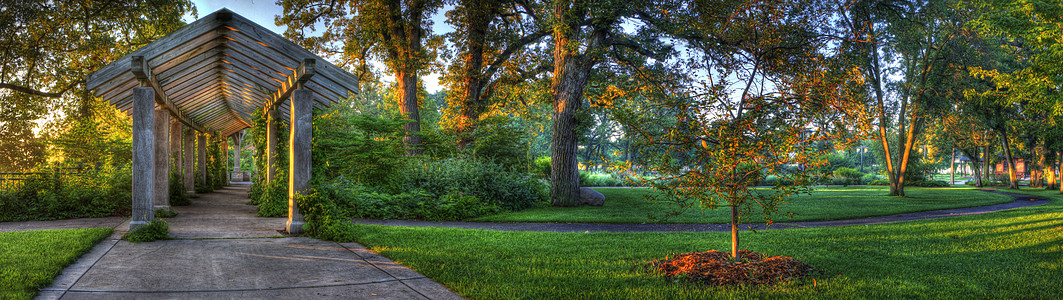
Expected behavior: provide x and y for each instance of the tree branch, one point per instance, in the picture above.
(30, 91)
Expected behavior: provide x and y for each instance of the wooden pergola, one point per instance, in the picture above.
(207, 78)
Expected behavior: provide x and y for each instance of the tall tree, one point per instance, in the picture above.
(46, 50)
(396, 32)
(916, 38)
(497, 41)
(1027, 80)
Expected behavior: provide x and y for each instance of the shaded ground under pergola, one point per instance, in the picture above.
(205, 80)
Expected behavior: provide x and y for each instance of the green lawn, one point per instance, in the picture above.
(29, 260)
(624, 205)
(1009, 254)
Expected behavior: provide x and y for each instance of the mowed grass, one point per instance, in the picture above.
(629, 205)
(1009, 254)
(29, 260)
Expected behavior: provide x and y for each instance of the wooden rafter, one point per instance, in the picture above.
(142, 72)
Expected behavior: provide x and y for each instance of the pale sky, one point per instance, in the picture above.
(264, 11)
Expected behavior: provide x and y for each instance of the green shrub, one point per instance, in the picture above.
(154, 230)
(502, 140)
(50, 195)
(919, 183)
(869, 177)
(178, 195)
(427, 189)
(479, 178)
(165, 213)
(927, 183)
(846, 176)
(271, 199)
(542, 167)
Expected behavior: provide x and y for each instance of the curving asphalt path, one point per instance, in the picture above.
(1020, 201)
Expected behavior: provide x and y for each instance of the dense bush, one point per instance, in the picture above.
(541, 166)
(50, 195)
(154, 230)
(919, 183)
(592, 179)
(427, 189)
(502, 140)
(272, 198)
(772, 180)
(178, 194)
(869, 177)
(847, 176)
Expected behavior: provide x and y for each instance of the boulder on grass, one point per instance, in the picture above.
(591, 197)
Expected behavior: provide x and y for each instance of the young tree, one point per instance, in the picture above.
(760, 97)
(396, 32)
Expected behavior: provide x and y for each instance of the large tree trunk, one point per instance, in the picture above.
(571, 70)
(570, 76)
(407, 95)
(985, 163)
(1013, 180)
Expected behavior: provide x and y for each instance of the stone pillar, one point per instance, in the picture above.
(175, 145)
(188, 176)
(299, 138)
(271, 146)
(162, 159)
(225, 158)
(236, 152)
(143, 156)
(201, 159)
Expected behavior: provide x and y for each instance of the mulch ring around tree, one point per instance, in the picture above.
(716, 268)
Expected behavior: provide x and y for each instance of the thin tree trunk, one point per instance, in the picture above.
(952, 166)
(1012, 176)
(985, 162)
(734, 233)
(1049, 171)
(974, 167)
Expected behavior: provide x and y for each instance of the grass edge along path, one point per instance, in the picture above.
(628, 206)
(1014, 253)
(30, 260)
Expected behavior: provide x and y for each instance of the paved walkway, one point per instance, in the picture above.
(1020, 201)
(221, 250)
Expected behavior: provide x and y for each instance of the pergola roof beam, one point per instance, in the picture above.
(142, 71)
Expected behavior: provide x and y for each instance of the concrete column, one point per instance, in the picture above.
(225, 158)
(201, 160)
(143, 156)
(299, 139)
(271, 146)
(162, 159)
(236, 152)
(188, 176)
(175, 145)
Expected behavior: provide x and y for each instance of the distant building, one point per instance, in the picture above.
(1020, 167)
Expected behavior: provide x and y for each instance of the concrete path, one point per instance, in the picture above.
(221, 250)
(1020, 201)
